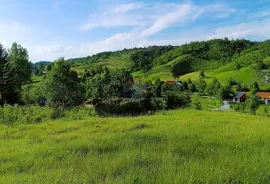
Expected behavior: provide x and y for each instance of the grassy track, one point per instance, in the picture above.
(182, 146)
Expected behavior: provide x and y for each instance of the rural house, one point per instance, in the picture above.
(170, 82)
(177, 83)
(240, 97)
(265, 97)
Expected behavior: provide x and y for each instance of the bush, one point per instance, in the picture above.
(125, 108)
(35, 114)
(158, 104)
(197, 104)
(176, 99)
(24, 114)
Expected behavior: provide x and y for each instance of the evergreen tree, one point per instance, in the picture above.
(237, 66)
(9, 88)
(202, 75)
(213, 88)
(192, 88)
(185, 85)
(189, 81)
(201, 86)
(255, 87)
(157, 88)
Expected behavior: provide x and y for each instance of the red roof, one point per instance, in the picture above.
(170, 82)
(263, 95)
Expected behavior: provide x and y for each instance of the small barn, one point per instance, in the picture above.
(240, 97)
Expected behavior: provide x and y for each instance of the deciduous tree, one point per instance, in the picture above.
(62, 86)
(19, 59)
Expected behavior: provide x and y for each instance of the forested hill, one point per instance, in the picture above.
(167, 62)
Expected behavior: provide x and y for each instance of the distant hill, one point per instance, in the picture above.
(221, 58)
(42, 63)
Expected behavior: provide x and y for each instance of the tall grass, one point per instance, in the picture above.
(11, 115)
(182, 146)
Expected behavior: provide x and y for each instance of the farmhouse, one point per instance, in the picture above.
(240, 97)
(265, 97)
(170, 82)
(177, 83)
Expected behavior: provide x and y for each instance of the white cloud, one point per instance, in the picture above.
(180, 14)
(145, 19)
(117, 16)
(112, 20)
(258, 29)
(124, 8)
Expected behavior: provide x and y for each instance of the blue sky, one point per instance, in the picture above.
(50, 29)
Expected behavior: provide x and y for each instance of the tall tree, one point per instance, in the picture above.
(252, 102)
(201, 86)
(255, 87)
(18, 56)
(9, 88)
(202, 75)
(62, 86)
(213, 87)
(157, 88)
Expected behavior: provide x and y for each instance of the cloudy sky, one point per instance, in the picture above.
(73, 28)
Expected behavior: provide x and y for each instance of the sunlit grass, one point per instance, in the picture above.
(182, 146)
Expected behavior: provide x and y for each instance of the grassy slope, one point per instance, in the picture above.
(245, 75)
(162, 72)
(113, 62)
(182, 146)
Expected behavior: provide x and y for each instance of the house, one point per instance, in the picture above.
(240, 97)
(170, 82)
(177, 83)
(265, 97)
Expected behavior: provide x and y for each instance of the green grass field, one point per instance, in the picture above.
(181, 146)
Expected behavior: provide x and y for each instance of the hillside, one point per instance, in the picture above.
(181, 146)
(42, 63)
(218, 58)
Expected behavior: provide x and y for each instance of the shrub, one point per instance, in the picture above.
(35, 114)
(197, 104)
(176, 99)
(265, 109)
(158, 104)
(125, 108)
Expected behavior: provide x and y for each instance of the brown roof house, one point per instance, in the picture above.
(242, 96)
(265, 97)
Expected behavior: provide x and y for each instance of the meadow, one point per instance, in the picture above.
(179, 146)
